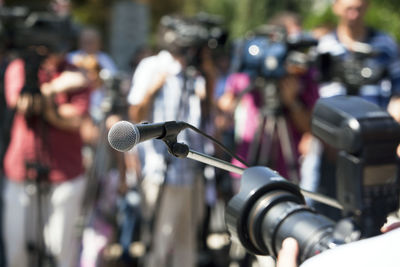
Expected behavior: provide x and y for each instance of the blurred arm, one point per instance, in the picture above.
(67, 116)
(141, 111)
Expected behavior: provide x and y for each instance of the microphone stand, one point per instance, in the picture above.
(181, 150)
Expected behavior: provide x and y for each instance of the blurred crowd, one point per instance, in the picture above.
(69, 199)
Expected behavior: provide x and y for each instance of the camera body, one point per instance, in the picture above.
(268, 208)
(188, 36)
(33, 36)
(354, 69)
(269, 51)
(191, 32)
(22, 28)
(366, 138)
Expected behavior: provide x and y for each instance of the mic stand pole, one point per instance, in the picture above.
(221, 164)
(182, 151)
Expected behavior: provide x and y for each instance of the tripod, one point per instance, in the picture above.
(272, 132)
(38, 190)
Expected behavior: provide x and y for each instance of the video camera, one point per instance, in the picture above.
(33, 35)
(269, 54)
(268, 51)
(268, 208)
(355, 69)
(114, 99)
(184, 32)
(21, 28)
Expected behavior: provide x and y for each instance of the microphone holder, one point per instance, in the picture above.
(181, 150)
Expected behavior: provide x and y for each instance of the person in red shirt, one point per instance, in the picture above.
(43, 166)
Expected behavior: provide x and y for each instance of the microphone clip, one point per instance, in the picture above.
(178, 150)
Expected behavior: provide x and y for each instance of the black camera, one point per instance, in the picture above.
(114, 99)
(355, 69)
(268, 208)
(198, 31)
(32, 36)
(268, 51)
(21, 28)
(189, 36)
(267, 55)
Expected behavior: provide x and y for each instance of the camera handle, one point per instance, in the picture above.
(181, 150)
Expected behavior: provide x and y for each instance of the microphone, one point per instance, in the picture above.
(123, 135)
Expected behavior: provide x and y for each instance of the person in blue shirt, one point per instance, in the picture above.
(381, 55)
(380, 51)
(90, 44)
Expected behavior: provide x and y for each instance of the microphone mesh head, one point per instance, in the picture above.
(123, 135)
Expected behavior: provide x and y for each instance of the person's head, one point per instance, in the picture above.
(289, 20)
(61, 7)
(90, 40)
(140, 53)
(350, 12)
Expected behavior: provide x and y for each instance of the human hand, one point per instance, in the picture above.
(46, 89)
(289, 87)
(24, 103)
(28, 104)
(391, 226)
(287, 256)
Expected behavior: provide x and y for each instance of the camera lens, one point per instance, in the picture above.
(269, 209)
(274, 218)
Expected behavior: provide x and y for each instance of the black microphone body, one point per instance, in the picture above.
(147, 131)
(123, 135)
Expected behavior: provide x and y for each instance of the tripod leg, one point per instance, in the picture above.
(267, 141)
(255, 144)
(288, 149)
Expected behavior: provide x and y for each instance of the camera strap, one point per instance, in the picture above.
(188, 89)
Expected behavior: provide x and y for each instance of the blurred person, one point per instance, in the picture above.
(99, 66)
(90, 43)
(297, 94)
(61, 7)
(107, 169)
(290, 21)
(164, 89)
(351, 33)
(352, 36)
(139, 54)
(43, 166)
(222, 121)
(308, 145)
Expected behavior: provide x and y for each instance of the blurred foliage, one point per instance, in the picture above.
(385, 15)
(240, 16)
(92, 12)
(382, 14)
(243, 15)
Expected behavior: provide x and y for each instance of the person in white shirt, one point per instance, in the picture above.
(163, 89)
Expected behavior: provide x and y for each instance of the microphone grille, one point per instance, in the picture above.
(123, 135)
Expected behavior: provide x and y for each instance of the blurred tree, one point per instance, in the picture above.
(240, 15)
(243, 15)
(382, 14)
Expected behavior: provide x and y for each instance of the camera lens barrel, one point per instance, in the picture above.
(312, 231)
(268, 209)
